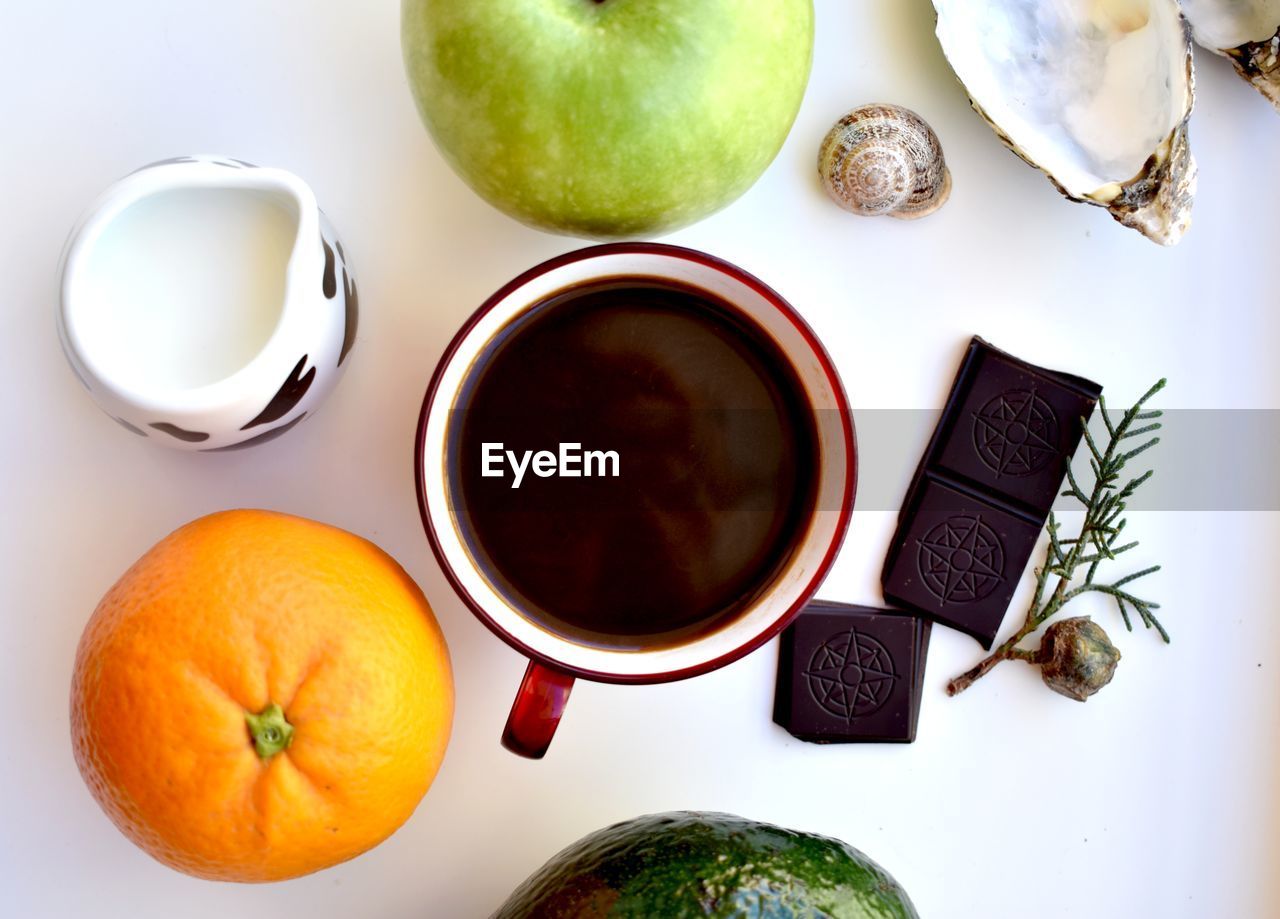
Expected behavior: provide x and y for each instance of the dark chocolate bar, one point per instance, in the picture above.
(983, 490)
(851, 674)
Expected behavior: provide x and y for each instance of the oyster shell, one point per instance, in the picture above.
(884, 159)
(1094, 93)
(1247, 32)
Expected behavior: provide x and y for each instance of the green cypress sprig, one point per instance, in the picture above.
(1099, 539)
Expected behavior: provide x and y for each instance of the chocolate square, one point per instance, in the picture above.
(1013, 427)
(851, 674)
(958, 558)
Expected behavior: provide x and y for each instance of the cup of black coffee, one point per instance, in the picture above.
(635, 463)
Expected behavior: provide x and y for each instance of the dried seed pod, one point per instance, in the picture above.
(1077, 658)
(884, 159)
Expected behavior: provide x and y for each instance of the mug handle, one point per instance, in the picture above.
(536, 711)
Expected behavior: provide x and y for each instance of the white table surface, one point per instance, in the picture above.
(1157, 798)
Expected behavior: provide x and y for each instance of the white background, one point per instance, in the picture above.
(1157, 798)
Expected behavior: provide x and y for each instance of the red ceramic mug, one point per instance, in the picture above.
(556, 660)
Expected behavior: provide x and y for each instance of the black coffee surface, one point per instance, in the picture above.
(716, 460)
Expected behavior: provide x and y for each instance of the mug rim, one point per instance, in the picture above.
(848, 439)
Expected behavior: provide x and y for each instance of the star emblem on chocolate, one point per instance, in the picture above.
(1016, 433)
(851, 675)
(961, 559)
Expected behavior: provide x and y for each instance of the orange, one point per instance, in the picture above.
(261, 696)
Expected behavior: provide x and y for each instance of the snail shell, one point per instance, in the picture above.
(884, 159)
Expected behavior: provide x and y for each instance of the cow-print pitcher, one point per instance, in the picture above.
(281, 384)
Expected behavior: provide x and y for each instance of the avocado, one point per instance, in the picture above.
(705, 864)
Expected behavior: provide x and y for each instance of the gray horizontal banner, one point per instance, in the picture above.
(1207, 460)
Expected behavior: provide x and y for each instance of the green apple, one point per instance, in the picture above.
(608, 118)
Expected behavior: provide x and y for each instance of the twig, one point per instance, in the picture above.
(1103, 523)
